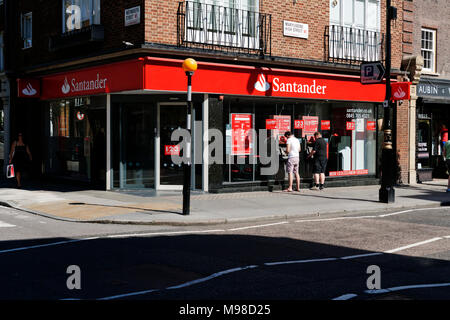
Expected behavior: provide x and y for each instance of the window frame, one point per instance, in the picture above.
(27, 39)
(433, 51)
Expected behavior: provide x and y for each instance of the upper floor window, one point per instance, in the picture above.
(428, 49)
(361, 14)
(354, 32)
(78, 14)
(234, 23)
(27, 29)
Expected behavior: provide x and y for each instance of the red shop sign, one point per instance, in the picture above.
(166, 75)
(298, 124)
(400, 91)
(241, 136)
(371, 125)
(350, 125)
(271, 124)
(325, 124)
(28, 88)
(171, 150)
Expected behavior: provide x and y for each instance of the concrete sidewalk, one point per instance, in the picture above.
(147, 207)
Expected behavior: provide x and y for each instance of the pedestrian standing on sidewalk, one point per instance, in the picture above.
(447, 161)
(319, 153)
(292, 166)
(20, 156)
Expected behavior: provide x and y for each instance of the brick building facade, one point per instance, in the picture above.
(163, 32)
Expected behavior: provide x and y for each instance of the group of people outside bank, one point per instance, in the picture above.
(318, 154)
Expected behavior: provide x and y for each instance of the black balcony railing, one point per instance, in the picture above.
(220, 28)
(353, 45)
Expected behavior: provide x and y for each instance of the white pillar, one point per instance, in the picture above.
(108, 142)
(205, 166)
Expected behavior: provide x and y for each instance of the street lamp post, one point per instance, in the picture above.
(387, 191)
(189, 66)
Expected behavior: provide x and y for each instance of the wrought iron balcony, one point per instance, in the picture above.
(353, 45)
(220, 28)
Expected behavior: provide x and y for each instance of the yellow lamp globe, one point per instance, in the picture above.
(189, 65)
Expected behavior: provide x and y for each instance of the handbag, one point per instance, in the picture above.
(10, 171)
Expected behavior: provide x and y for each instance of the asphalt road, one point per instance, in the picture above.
(401, 255)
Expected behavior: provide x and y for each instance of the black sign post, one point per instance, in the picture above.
(388, 160)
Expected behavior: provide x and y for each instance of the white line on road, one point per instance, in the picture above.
(414, 245)
(6, 225)
(258, 226)
(346, 296)
(166, 233)
(298, 261)
(415, 286)
(46, 245)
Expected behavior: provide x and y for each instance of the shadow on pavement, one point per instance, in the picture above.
(208, 267)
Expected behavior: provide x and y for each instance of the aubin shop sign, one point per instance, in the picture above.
(433, 90)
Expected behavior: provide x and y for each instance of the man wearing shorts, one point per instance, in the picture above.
(293, 151)
(447, 161)
(320, 161)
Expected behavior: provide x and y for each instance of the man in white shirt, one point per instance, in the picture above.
(293, 151)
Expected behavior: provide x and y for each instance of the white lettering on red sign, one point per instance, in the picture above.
(83, 85)
(298, 87)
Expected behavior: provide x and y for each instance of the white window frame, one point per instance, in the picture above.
(432, 51)
(236, 31)
(94, 18)
(341, 22)
(27, 38)
(364, 48)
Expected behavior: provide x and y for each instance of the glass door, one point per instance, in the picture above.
(170, 118)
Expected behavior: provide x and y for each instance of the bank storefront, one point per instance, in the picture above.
(112, 125)
(433, 120)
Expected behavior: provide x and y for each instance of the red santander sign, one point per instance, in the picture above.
(400, 91)
(28, 88)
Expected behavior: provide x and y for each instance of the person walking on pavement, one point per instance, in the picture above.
(447, 161)
(319, 153)
(19, 156)
(292, 166)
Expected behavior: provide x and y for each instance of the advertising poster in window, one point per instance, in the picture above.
(310, 125)
(278, 125)
(241, 136)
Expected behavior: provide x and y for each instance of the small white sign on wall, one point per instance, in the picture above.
(132, 16)
(295, 29)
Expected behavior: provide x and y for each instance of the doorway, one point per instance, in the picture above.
(169, 175)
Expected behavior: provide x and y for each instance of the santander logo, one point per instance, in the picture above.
(65, 87)
(29, 90)
(399, 93)
(262, 85)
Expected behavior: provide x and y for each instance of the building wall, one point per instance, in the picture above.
(48, 21)
(434, 14)
(161, 26)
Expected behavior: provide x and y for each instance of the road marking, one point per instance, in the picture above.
(6, 225)
(299, 261)
(372, 216)
(414, 245)
(168, 233)
(258, 226)
(415, 286)
(346, 296)
(214, 275)
(46, 245)
(361, 255)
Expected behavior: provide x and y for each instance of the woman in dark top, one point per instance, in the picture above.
(19, 157)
